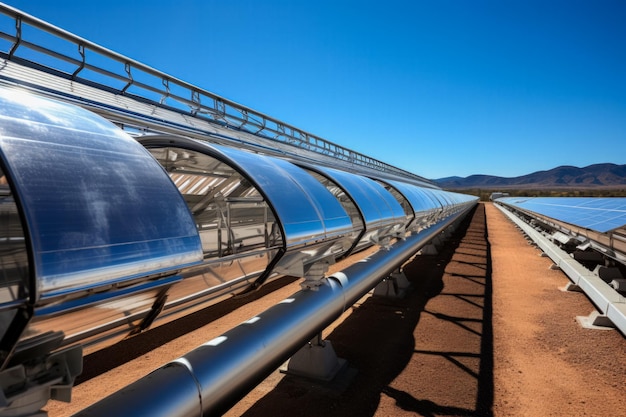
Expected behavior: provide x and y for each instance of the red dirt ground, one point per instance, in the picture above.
(485, 331)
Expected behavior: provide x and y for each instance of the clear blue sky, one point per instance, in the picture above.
(439, 88)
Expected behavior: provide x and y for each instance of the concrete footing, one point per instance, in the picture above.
(595, 320)
(570, 286)
(394, 286)
(429, 249)
(316, 360)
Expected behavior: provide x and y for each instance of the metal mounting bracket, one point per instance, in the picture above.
(316, 273)
(394, 286)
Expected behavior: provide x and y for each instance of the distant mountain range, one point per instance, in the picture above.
(592, 176)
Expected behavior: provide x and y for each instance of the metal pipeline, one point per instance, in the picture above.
(212, 378)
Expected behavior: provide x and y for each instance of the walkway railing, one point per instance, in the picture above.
(36, 44)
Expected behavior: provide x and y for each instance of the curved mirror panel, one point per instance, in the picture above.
(307, 211)
(336, 220)
(422, 203)
(378, 207)
(446, 204)
(231, 215)
(401, 199)
(418, 198)
(344, 199)
(394, 206)
(278, 206)
(433, 196)
(98, 207)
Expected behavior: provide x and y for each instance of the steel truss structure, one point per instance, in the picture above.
(144, 100)
(130, 198)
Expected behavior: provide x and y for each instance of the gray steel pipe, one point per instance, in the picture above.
(212, 378)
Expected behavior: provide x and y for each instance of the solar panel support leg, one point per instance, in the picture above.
(429, 249)
(595, 320)
(570, 286)
(316, 360)
(394, 286)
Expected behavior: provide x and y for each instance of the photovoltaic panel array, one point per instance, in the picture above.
(599, 214)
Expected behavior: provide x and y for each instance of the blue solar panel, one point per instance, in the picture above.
(599, 214)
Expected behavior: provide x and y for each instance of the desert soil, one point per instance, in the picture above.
(484, 331)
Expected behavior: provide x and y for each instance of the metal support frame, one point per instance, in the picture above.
(609, 302)
(143, 100)
(138, 89)
(213, 377)
(38, 376)
(316, 272)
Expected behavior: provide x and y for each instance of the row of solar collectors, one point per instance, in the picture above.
(103, 235)
(599, 214)
(597, 223)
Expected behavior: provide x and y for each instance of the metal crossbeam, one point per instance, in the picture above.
(72, 60)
